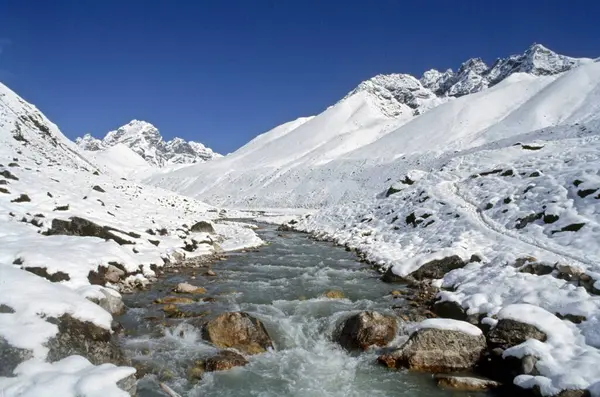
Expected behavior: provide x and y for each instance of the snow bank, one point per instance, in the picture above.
(448, 324)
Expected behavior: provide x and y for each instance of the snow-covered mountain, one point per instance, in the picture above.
(145, 139)
(341, 154)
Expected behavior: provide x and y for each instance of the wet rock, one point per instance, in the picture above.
(237, 330)
(203, 227)
(438, 268)
(43, 272)
(390, 277)
(210, 273)
(465, 383)
(224, 360)
(77, 226)
(508, 333)
(396, 293)
(186, 288)
(176, 300)
(85, 339)
(196, 371)
(334, 294)
(437, 350)
(367, 329)
(11, 357)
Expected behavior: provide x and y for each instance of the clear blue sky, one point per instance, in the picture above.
(221, 72)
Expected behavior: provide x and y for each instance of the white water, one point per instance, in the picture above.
(281, 284)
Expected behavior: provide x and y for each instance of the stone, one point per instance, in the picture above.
(128, 385)
(437, 350)
(449, 309)
(203, 227)
(77, 226)
(196, 371)
(224, 360)
(237, 330)
(84, 338)
(98, 189)
(334, 294)
(367, 329)
(176, 300)
(111, 301)
(210, 272)
(113, 274)
(11, 357)
(396, 293)
(187, 288)
(508, 333)
(465, 383)
(55, 277)
(436, 269)
(390, 277)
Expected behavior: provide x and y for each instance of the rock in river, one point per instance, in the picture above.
(224, 360)
(367, 329)
(439, 345)
(237, 330)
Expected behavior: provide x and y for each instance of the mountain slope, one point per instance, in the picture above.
(145, 140)
(352, 148)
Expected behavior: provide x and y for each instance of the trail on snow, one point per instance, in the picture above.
(461, 201)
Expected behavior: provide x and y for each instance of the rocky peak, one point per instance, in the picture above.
(397, 92)
(145, 139)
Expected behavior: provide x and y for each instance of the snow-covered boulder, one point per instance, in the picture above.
(439, 345)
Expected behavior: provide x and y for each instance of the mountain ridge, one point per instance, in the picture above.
(145, 139)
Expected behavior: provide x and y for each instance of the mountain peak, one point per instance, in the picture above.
(145, 139)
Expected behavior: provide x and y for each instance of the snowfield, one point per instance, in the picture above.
(47, 262)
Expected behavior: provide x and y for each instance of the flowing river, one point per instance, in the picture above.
(281, 284)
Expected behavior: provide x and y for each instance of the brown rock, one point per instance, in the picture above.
(237, 330)
(334, 295)
(367, 329)
(225, 360)
(186, 288)
(437, 350)
(177, 300)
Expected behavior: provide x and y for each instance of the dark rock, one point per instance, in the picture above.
(203, 227)
(508, 333)
(550, 218)
(523, 222)
(438, 268)
(11, 357)
(437, 350)
(77, 226)
(367, 329)
(534, 174)
(449, 309)
(6, 309)
(539, 269)
(23, 198)
(85, 339)
(586, 192)
(8, 175)
(574, 227)
(129, 385)
(532, 147)
(224, 360)
(4, 190)
(390, 277)
(237, 330)
(43, 272)
(62, 208)
(98, 189)
(508, 173)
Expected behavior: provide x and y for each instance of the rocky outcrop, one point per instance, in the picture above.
(224, 360)
(438, 350)
(85, 339)
(367, 329)
(238, 330)
(77, 226)
(203, 227)
(434, 269)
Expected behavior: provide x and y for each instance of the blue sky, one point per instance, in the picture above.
(222, 72)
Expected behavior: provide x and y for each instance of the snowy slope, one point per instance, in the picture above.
(145, 140)
(348, 151)
(44, 183)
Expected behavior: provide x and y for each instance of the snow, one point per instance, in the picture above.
(450, 325)
(71, 376)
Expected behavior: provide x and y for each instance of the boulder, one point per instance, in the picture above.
(187, 288)
(367, 329)
(203, 227)
(437, 268)
(77, 226)
(128, 385)
(83, 338)
(224, 360)
(508, 333)
(449, 309)
(111, 301)
(465, 383)
(439, 350)
(113, 274)
(390, 277)
(237, 330)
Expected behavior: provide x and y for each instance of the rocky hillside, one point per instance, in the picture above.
(145, 139)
